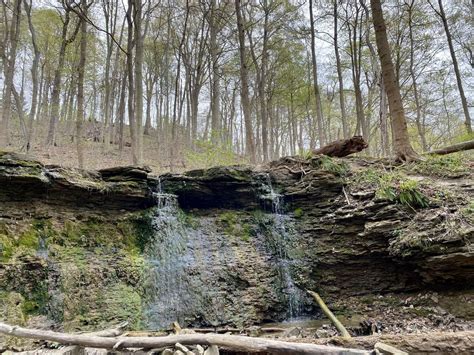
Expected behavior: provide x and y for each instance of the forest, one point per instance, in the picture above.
(183, 84)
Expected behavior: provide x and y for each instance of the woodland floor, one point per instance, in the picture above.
(156, 153)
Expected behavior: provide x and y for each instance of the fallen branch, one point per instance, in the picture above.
(234, 342)
(343, 147)
(330, 315)
(420, 343)
(453, 148)
(113, 332)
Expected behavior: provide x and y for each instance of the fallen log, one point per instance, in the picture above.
(453, 148)
(343, 147)
(112, 332)
(233, 342)
(461, 342)
(329, 314)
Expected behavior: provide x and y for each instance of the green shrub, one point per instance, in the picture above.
(398, 188)
(331, 165)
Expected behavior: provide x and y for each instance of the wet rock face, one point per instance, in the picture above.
(237, 248)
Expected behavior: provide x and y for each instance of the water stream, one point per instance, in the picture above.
(281, 239)
(167, 284)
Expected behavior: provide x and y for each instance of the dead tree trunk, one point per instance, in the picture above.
(343, 147)
(454, 148)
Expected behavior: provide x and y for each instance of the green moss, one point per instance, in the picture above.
(131, 233)
(234, 226)
(7, 247)
(468, 211)
(98, 275)
(188, 220)
(26, 243)
(142, 231)
(298, 212)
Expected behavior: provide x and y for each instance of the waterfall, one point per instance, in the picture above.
(281, 240)
(203, 271)
(180, 268)
(166, 284)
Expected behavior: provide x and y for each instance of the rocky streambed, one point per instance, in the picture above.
(388, 248)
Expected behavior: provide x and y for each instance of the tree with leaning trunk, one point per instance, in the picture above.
(401, 141)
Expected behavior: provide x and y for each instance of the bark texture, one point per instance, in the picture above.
(343, 147)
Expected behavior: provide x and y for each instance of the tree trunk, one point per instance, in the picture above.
(345, 126)
(244, 91)
(34, 74)
(401, 140)
(80, 84)
(384, 128)
(10, 71)
(131, 81)
(149, 95)
(319, 109)
(55, 96)
(343, 147)
(138, 39)
(121, 110)
(355, 50)
(454, 148)
(419, 126)
(216, 124)
(263, 83)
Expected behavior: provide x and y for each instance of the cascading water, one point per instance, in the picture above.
(166, 284)
(280, 240)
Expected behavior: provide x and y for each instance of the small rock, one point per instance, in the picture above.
(322, 333)
(388, 349)
(212, 350)
(184, 349)
(292, 332)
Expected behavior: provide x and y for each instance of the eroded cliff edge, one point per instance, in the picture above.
(76, 247)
